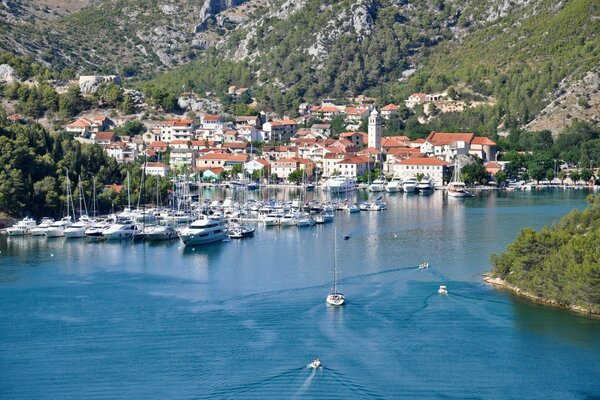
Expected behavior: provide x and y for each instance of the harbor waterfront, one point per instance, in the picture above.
(241, 319)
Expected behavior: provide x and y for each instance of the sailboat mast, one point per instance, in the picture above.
(94, 190)
(334, 260)
(128, 192)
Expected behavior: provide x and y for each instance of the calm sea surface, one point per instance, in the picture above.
(242, 319)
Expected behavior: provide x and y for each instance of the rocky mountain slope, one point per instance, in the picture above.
(518, 51)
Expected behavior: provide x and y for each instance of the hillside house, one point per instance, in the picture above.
(182, 157)
(389, 110)
(212, 122)
(323, 130)
(156, 169)
(122, 152)
(280, 131)
(175, 129)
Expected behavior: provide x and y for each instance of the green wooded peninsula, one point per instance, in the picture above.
(559, 264)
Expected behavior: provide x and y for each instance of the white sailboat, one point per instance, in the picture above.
(456, 187)
(335, 297)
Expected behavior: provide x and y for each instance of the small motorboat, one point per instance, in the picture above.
(240, 232)
(443, 290)
(346, 237)
(424, 265)
(314, 364)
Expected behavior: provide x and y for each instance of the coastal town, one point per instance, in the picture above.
(213, 145)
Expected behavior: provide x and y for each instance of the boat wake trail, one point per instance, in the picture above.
(305, 385)
(386, 271)
(251, 386)
(439, 274)
(356, 389)
(464, 296)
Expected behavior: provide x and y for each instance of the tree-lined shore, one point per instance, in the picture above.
(558, 265)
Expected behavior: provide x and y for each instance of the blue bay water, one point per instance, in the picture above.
(242, 319)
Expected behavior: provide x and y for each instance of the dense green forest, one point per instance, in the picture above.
(33, 167)
(559, 263)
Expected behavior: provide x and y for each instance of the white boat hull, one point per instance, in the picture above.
(55, 232)
(335, 299)
(74, 233)
(14, 231)
(199, 239)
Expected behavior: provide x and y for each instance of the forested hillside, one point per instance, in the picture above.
(559, 263)
(34, 164)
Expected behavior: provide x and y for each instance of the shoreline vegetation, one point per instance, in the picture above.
(501, 284)
(558, 265)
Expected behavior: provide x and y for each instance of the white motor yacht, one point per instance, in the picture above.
(57, 228)
(202, 231)
(378, 185)
(161, 232)
(289, 219)
(41, 228)
(305, 220)
(120, 230)
(425, 186)
(341, 184)
(97, 229)
(410, 185)
(394, 186)
(314, 364)
(443, 290)
(23, 227)
(272, 219)
(77, 230)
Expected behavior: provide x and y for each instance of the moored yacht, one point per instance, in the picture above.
(77, 230)
(394, 186)
(41, 228)
(202, 231)
(410, 185)
(378, 185)
(120, 230)
(161, 232)
(272, 219)
(341, 184)
(97, 229)
(425, 186)
(23, 227)
(57, 228)
(289, 219)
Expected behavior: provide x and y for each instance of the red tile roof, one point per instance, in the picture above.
(390, 107)
(482, 140)
(158, 144)
(155, 165)
(356, 160)
(104, 136)
(212, 118)
(80, 123)
(369, 150)
(442, 138)
(284, 122)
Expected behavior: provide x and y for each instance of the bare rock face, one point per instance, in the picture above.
(7, 73)
(90, 83)
(574, 100)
